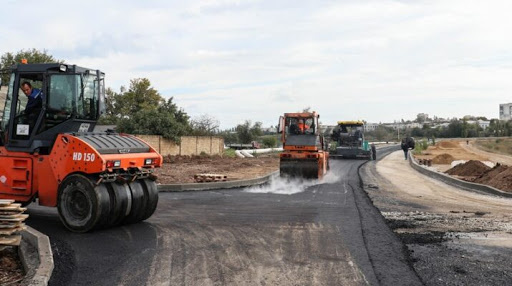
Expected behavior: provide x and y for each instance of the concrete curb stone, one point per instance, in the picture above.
(468, 186)
(216, 185)
(36, 256)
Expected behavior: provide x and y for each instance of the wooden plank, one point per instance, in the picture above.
(11, 216)
(10, 231)
(209, 178)
(11, 212)
(20, 217)
(6, 202)
(12, 207)
(6, 224)
(12, 240)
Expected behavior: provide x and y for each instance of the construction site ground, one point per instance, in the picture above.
(182, 169)
(455, 237)
(10, 267)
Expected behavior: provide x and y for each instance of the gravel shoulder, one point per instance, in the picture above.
(454, 237)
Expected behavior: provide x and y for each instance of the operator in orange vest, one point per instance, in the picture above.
(302, 126)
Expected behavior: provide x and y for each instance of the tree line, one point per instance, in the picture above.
(141, 109)
(456, 128)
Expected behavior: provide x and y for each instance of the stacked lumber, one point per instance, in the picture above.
(201, 178)
(11, 223)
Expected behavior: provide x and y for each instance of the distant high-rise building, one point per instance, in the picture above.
(505, 111)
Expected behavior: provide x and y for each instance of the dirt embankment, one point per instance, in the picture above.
(181, 169)
(445, 152)
(443, 159)
(475, 171)
(469, 169)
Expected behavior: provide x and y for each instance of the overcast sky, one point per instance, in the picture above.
(235, 60)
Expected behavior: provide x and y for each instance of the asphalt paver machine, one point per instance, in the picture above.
(349, 141)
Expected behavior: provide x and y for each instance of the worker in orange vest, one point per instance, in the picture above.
(302, 126)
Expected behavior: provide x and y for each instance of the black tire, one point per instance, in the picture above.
(120, 203)
(151, 196)
(374, 152)
(82, 205)
(138, 203)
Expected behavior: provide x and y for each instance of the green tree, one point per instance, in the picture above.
(32, 56)
(153, 122)
(205, 125)
(112, 109)
(270, 141)
(248, 132)
(141, 110)
(465, 129)
(139, 96)
(229, 137)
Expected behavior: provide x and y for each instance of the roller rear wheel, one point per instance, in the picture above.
(151, 196)
(120, 203)
(138, 203)
(82, 206)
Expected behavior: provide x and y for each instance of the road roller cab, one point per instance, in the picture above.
(49, 152)
(304, 147)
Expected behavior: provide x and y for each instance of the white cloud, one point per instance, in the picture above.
(237, 60)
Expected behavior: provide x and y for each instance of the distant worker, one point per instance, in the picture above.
(407, 143)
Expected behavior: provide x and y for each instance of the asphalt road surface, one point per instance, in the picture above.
(316, 233)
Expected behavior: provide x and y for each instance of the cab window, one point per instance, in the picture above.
(62, 92)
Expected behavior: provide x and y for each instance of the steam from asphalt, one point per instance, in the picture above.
(290, 186)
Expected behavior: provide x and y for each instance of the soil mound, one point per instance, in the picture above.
(498, 177)
(447, 144)
(443, 159)
(469, 169)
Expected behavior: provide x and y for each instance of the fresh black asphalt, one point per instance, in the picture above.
(328, 234)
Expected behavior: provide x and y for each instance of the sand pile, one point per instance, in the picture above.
(499, 177)
(469, 169)
(443, 159)
(447, 145)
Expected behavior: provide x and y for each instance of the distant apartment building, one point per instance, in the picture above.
(370, 126)
(400, 125)
(484, 124)
(505, 111)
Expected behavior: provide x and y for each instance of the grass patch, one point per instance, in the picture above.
(229, 153)
(499, 146)
(420, 146)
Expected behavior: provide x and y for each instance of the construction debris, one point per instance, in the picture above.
(203, 178)
(11, 223)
